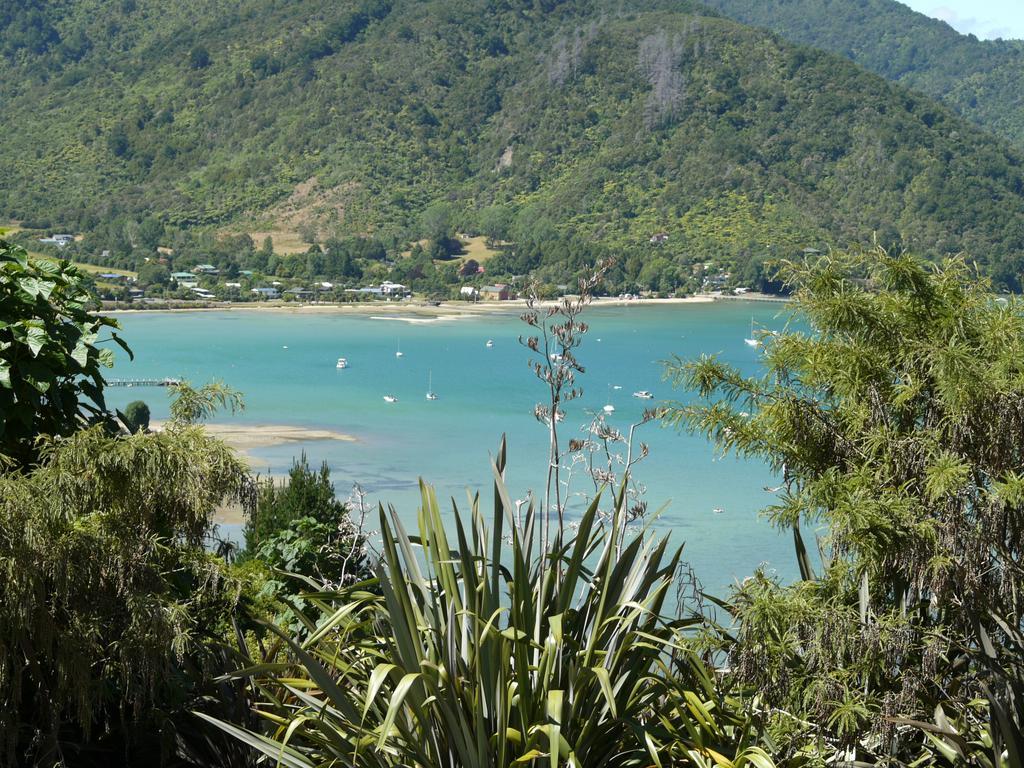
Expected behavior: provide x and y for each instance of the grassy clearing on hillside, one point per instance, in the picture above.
(285, 242)
(95, 270)
(476, 248)
(472, 248)
(92, 269)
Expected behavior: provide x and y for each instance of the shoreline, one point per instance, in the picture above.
(245, 438)
(445, 311)
(249, 437)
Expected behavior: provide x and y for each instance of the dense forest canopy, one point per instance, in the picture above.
(570, 129)
(979, 78)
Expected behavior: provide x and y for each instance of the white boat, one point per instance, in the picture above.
(718, 510)
(609, 409)
(399, 352)
(390, 399)
(431, 394)
(342, 363)
(752, 342)
(490, 343)
(643, 394)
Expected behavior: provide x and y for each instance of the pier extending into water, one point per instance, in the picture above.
(143, 382)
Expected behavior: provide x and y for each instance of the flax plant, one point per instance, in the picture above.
(472, 653)
(525, 641)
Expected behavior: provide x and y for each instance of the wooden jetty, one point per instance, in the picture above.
(143, 382)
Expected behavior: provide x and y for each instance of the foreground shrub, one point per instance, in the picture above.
(109, 601)
(136, 416)
(51, 352)
(300, 527)
(896, 425)
(496, 651)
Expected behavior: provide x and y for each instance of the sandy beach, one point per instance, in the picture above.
(418, 311)
(248, 437)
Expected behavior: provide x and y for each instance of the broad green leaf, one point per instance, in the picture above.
(80, 354)
(36, 338)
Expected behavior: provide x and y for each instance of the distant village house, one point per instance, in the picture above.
(497, 292)
(387, 288)
(59, 240)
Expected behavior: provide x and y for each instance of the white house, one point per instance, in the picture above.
(59, 240)
(266, 293)
(468, 291)
(387, 288)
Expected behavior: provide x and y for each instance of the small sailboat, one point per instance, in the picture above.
(342, 363)
(399, 352)
(751, 341)
(609, 408)
(490, 343)
(390, 399)
(431, 394)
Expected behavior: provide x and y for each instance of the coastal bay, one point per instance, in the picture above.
(284, 363)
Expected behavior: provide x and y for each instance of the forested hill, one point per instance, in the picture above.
(584, 121)
(979, 78)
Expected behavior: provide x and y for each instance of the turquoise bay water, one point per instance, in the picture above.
(285, 366)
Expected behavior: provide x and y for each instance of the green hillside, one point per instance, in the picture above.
(979, 78)
(567, 127)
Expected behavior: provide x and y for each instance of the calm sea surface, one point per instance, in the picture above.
(285, 366)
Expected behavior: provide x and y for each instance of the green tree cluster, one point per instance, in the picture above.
(976, 77)
(891, 412)
(402, 121)
(299, 526)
